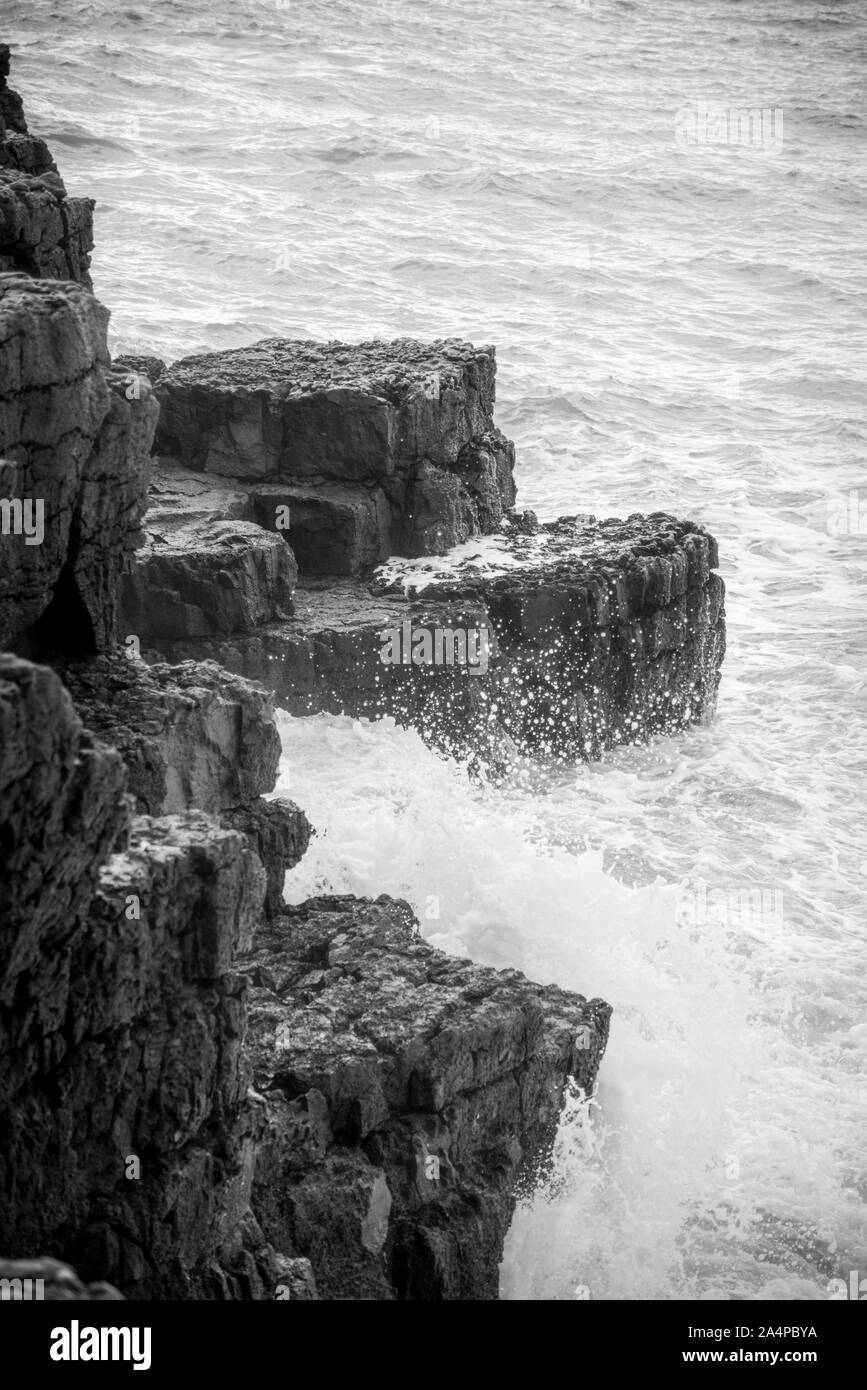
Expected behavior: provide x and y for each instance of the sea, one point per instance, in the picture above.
(655, 209)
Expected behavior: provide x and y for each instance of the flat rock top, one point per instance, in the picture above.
(353, 977)
(520, 556)
(297, 368)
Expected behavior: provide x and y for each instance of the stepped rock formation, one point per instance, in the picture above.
(601, 631)
(205, 1094)
(375, 448)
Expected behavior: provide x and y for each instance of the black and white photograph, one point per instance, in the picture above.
(433, 671)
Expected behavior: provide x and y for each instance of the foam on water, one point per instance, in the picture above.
(723, 1155)
(677, 330)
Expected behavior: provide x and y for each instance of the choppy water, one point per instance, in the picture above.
(678, 327)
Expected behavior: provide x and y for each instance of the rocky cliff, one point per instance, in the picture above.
(381, 466)
(43, 231)
(205, 1094)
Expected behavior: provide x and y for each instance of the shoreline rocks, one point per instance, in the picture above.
(408, 1087)
(208, 1094)
(375, 448)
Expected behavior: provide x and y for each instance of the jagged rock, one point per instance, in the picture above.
(132, 1144)
(280, 833)
(105, 530)
(29, 155)
(406, 1091)
(123, 1078)
(601, 633)
(487, 466)
(51, 1281)
(209, 579)
(191, 736)
(380, 447)
(43, 232)
(282, 409)
(74, 444)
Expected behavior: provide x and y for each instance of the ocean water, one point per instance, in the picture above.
(679, 321)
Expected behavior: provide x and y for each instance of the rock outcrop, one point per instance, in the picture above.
(191, 736)
(600, 631)
(210, 580)
(133, 1144)
(204, 1092)
(407, 1090)
(43, 232)
(374, 448)
(159, 1134)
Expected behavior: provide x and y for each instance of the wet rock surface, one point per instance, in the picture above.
(408, 1088)
(600, 633)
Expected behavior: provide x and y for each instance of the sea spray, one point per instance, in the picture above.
(721, 1156)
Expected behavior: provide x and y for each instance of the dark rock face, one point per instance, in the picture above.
(120, 1018)
(401, 1094)
(335, 529)
(279, 832)
(209, 580)
(191, 736)
(407, 1089)
(134, 1147)
(62, 810)
(72, 442)
(43, 232)
(601, 633)
(379, 447)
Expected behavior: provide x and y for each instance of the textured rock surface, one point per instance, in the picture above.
(382, 447)
(132, 1144)
(209, 579)
(604, 633)
(286, 409)
(62, 810)
(140, 364)
(192, 736)
(73, 442)
(279, 832)
(43, 232)
(122, 1073)
(406, 1092)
